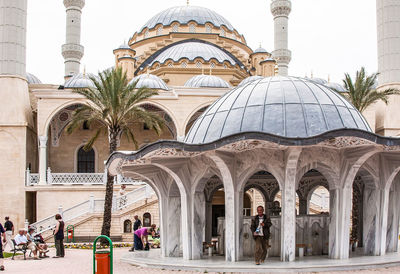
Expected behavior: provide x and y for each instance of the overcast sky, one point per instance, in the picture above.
(326, 37)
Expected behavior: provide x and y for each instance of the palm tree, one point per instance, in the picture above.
(362, 92)
(113, 105)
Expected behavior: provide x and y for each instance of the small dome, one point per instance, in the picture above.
(284, 106)
(149, 81)
(194, 49)
(250, 79)
(124, 46)
(335, 86)
(185, 14)
(261, 50)
(32, 79)
(80, 80)
(206, 81)
(319, 81)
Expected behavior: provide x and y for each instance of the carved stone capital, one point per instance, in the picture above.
(43, 141)
(281, 8)
(74, 3)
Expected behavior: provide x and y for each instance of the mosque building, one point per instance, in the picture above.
(238, 132)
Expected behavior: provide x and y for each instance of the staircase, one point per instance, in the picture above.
(88, 209)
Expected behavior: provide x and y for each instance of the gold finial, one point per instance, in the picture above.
(187, 2)
(260, 45)
(312, 74)
(84, 70)
(329, 78)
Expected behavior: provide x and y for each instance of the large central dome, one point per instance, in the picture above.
(283, 106)
(185, 14)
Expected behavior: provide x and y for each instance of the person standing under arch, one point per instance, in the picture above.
(260, 226)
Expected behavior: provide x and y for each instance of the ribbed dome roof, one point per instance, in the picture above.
(124, 46)
(261, 50)
(192, 50)
(250, 79)
(149, 81)
(206, 81)
(319, 81)
(80, 80)
(32, 79)
(284, 106)
(336, 86)
(185, 14)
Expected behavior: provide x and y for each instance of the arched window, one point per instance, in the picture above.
(127, 226)
(159, 30)
(184, 64)
(208, 28)
(223, 32)
(146, 219)
(198, 64)
(85, 161)
(146, 34)
(175, 27)
(192, 28)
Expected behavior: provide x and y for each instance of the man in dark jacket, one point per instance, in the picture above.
(260, 225)
(136, 225)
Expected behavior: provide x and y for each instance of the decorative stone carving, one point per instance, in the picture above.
(59, 122)
(213, 184)
(345, 141)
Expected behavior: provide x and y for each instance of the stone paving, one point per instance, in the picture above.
(80, 261)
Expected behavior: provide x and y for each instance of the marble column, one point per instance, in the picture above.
(42, 159)
(375, 203)
(382, 222)
(392, 241)
(208, 226)
(303, 206)
(288, 221)
(173, 226)
(371, 203)
(232, 225)
(198, 224)
(186, 226)
(339, 222)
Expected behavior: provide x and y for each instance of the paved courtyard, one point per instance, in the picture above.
(80, 261)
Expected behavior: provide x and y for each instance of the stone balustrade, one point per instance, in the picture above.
(33, 179)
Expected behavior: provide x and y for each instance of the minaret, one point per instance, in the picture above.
(16, 122)
(385, 118)
(281, 9)
(72, 50)
(388, 23)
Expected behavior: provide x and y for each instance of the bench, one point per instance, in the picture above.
(22, 248)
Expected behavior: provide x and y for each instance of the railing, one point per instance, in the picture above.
(93, 206)
(77, 179)
(31, 178)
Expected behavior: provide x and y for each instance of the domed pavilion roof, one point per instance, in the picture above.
(284, 106)
(149, 81)
(185, 14)
(249, 79)
(206, 81)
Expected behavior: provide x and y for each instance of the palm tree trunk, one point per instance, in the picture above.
(105, 230)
